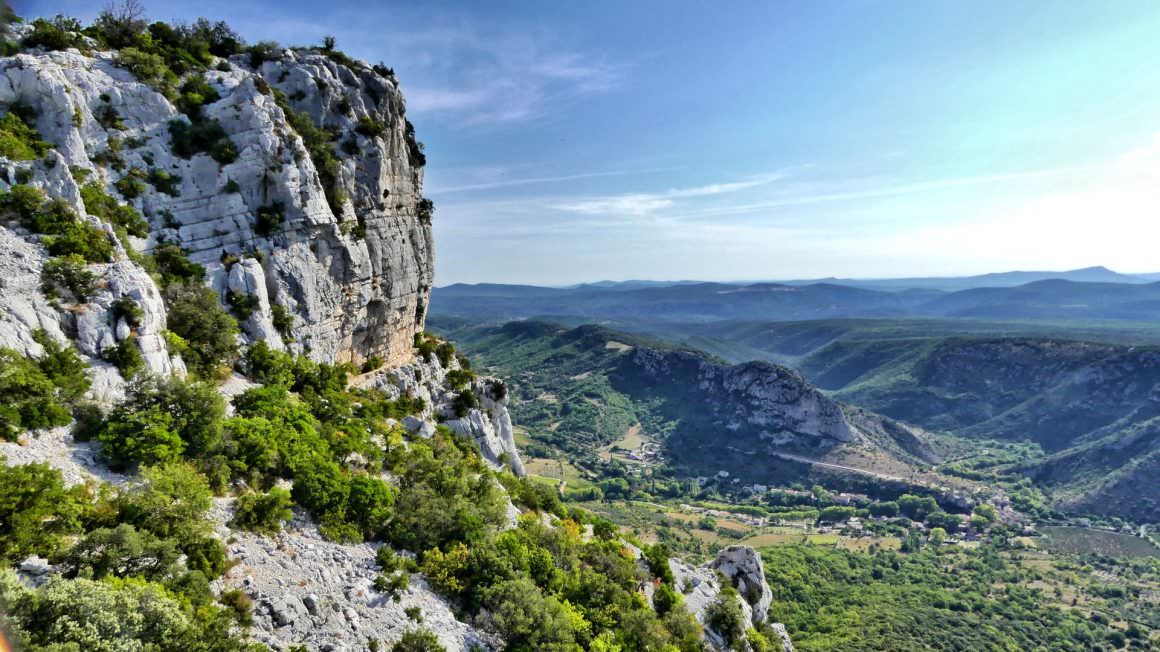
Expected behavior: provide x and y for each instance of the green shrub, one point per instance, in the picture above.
(104, 206)
(37, 512)
(126, 357)
(68, 273)
(418, 640)
(165, 182)
(108, 117)
(196, 92)
(174, 266)
(242, 306)
(122, 551)
(20, 142)
(130, 186)
(129, 310)
(269, 218)
(414, 148)
(262, 512)
(232, 187)
(424, 209)
(463, 403)
(149, 69)
(196, 315)
(725, 617)
(459, 378)
(145, 436)
(371, 363)
(60, 33)
(371, 128)
(91, 243)
(202, 137)
(63, 366)
(283, 320)
(28, 398)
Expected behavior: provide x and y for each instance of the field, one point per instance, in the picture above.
(1079, 540)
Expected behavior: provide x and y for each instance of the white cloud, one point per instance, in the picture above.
(638, 204)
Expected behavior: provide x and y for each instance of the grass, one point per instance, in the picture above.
(1080, 540)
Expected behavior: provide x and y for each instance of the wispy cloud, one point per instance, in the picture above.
(639, 204)
(503, 75)
(527, 181)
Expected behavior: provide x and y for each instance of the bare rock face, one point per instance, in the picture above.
(771, 401)
(343, 246)
(741, 565)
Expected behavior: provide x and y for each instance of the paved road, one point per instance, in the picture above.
(806, 460)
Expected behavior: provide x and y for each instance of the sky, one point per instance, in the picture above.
(583, 141)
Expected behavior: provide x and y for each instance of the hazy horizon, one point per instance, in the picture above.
(774, 140)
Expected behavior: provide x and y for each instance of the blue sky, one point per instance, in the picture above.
(761, 140)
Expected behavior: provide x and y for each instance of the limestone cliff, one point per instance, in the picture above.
(343, 246)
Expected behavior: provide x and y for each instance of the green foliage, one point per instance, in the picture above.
(418, 640)
(129, 310)
(196, 315)
(174, 266)
(64, 233)
(372, 363)
(976, 598)
(196, 92)
(283, 320)
(68, 273)
(269, 219)
(463, 403)
(424, 210)
(414, 148)
(36, 393)
(657, 558)
(371, 128)
(59, 33)
(37, 512)
(108, 209)
(206, 136)
(131, 186)
(162, 419)
(459, 378)
(725, 617)
(122, 551)
(263, 512)
(527, 619)
(110, 616)
(149, 68)
(165, 182)
(125, 356)
(19, 141)
(242, 306)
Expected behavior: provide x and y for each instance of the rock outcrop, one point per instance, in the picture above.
(739, 567)
(771, 401)
(489, 423)
(343, 247)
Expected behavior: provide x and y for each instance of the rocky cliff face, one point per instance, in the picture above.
(343, 247)
(774, 401)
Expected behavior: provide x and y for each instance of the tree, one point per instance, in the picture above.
(196, 315)
(526, 619)
(725, 617)
(937, 536)
(122, 551)
(263, 512)
(37, 512)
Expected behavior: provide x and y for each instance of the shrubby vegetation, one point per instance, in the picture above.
(63, 232)
(18, 140)
(38, 393)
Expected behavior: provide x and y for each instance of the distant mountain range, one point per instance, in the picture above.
(1129, 298)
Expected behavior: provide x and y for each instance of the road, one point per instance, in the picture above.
(806, 460)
